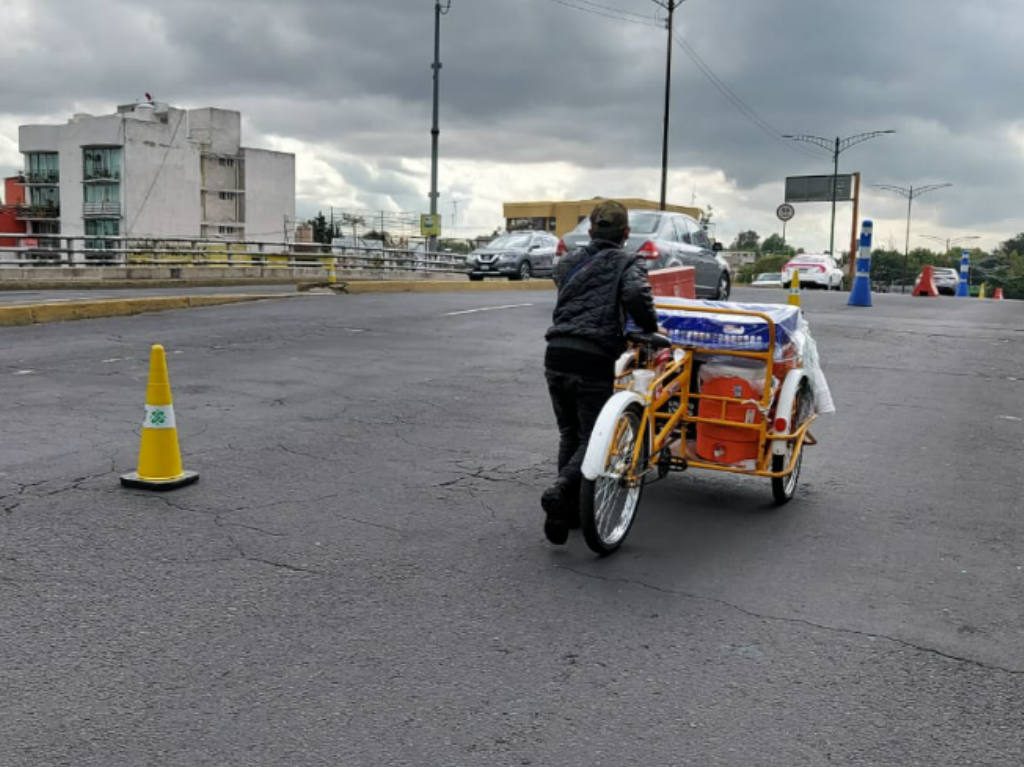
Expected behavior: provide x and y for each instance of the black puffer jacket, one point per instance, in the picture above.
(598, 285)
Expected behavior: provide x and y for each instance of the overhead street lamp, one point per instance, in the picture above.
(670, 6)
(950, 241)
(836, 147)
(910, 193)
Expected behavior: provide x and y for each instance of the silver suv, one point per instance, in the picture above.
(667, 239)
(517, 255)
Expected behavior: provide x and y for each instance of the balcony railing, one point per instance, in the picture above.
(101, 209)
(101, 174)
(28, 212)
(43, 177)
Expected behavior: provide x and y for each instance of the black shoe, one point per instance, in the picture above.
(556, 531)
(553, 501)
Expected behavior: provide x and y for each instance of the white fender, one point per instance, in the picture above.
(604, 431)
(784, 407)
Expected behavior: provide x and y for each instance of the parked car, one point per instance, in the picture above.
(946, 280)
(517, 255)
(817, 270)
(667, 239)
(767, 280)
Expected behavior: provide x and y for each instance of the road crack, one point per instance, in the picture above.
(800, 621)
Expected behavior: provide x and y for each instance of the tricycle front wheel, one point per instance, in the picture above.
(609, 502)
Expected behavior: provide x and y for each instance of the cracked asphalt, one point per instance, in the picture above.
(360, 578)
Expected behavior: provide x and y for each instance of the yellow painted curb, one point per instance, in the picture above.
(114, 307)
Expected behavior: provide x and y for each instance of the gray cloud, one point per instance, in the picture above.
(533, 81)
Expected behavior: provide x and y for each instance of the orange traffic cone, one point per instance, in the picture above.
(997, 294)
(159, 454)
(926, 284)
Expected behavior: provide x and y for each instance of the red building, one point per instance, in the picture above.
(14, 196)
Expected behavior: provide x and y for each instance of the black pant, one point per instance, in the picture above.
(577, 400)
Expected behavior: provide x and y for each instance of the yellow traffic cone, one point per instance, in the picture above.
(794, 289)
(159, 455)
(981, 291)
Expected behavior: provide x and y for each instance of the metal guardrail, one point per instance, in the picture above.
(20, 250)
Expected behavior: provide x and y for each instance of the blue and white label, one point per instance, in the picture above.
(159, 417)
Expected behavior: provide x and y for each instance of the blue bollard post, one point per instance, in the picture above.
(860, 294)
(963, 289)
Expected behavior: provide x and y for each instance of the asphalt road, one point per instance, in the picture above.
(360, 577)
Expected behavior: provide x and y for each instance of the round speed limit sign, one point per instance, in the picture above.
(785, 212)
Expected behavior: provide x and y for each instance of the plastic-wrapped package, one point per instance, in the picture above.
(794, 345)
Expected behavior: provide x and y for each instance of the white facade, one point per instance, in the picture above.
(153, 171)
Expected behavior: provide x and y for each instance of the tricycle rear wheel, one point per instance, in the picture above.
(783, 488)
(608, 503)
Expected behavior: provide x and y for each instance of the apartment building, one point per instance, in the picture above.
(154, 171)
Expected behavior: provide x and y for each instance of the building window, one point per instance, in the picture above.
(226, 162)
(102, 193)
(225, 230)
(44, 196)
(101, 163)
(539, 223)
(98, 228)
(227, 195)
(43, 168)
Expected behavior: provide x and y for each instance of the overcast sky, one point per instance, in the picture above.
(563, 99)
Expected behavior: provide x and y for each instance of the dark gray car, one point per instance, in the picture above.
(667, 239)
(516, 255)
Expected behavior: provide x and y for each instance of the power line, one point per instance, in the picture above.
(588, 6)
(606, 12)
(744, 108)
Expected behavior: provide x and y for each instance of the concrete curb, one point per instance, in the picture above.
(30, 314)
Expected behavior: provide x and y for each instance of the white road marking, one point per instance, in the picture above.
(486, 309)
(24, 372)
(1010, 418)
(113, 359)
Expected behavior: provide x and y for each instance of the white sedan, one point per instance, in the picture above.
(767, 280)
(816, 271)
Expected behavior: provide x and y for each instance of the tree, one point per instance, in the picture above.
(322, 231)
(775, 244)
(746, 241)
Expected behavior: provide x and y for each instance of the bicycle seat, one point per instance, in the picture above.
(655, 340)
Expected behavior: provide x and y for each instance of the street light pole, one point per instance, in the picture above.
(950, 241)
(434, 131)
(670, 6)
(836, 147)
(910, 193)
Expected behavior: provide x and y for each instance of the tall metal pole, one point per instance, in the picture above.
(835, 177)
(670, 6)
(434, 131)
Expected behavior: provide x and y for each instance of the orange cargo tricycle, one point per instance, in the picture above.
(730, 387)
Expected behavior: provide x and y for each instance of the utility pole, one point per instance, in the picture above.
(670, 6)
(434, 131)
(910, 193)
(838, 146)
